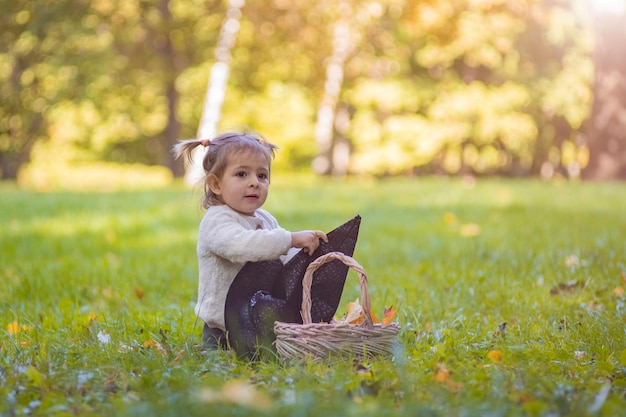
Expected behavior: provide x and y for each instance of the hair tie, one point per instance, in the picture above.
(205, 142)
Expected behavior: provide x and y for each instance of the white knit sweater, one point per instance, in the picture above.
(226, 241)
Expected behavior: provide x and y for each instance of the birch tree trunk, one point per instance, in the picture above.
(216, 91)
(324, 128)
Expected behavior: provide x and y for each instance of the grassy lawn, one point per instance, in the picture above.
(510, 296)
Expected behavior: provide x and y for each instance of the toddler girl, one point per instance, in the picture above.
(235, 230)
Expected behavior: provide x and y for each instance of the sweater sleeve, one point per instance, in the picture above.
(231, 237)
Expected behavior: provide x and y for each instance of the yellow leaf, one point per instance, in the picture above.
(495, 356)
(449, 218)
(619, 292)
(151, 343)
(13, 328)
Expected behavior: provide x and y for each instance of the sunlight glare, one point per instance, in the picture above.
(615, 7)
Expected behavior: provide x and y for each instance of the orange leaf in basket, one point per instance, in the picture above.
(354, 314)
(374, 318)
(389, 315)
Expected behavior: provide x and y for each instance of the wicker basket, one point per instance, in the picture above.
(323, 340)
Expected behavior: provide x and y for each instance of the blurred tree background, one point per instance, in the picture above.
(94, 88)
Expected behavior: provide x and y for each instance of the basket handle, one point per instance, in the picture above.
(308, 279)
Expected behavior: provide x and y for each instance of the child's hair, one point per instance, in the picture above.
(218, 151)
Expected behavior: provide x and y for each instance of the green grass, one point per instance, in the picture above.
(91, 278)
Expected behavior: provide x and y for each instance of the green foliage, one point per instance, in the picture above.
(99, 288)
(480, 87)
(484, 81)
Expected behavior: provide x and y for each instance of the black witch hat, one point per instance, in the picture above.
(268, 291)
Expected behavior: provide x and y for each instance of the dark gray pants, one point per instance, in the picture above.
(213, 338)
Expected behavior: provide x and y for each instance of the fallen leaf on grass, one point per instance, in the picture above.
(363, 370)
(238, 393)
(619, 292)
(568, 286)
(449, 218)
(470, 230)
(525, 398)
(444, 376)
(593, 305)
(572, 261)
(151, 343)
(15, 328)
(140, 293)
(495, 356)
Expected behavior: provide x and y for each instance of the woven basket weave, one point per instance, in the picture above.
(323, 340)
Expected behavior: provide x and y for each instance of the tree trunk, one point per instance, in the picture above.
(325, 124)
(172, 130)
(216, 91)
(606, 131)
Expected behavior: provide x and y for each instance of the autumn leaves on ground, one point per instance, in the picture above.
(509, 294)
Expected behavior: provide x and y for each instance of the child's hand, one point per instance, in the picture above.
(308, 239)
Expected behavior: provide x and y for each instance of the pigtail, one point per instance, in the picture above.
(184, 148)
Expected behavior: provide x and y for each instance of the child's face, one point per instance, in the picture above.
(244, 185)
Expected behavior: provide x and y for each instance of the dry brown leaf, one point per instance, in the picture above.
(568, 286)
